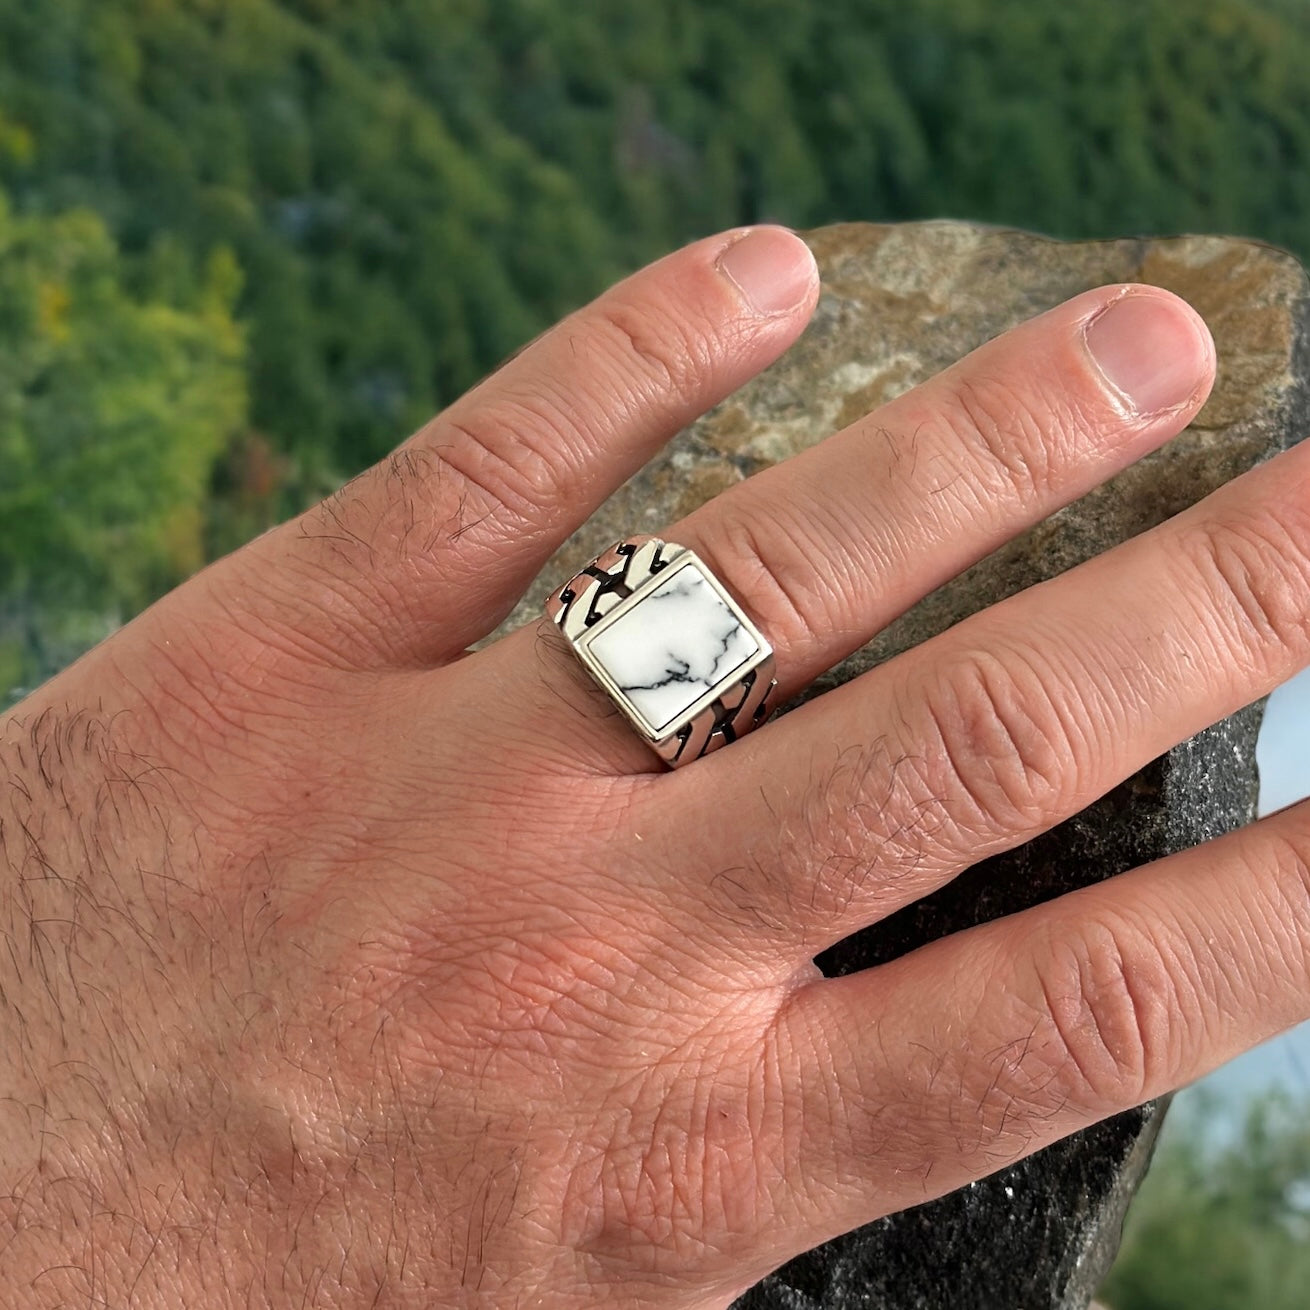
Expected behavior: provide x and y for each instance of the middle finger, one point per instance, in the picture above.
(828, 547)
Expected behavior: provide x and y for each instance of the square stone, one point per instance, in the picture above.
(673, 645)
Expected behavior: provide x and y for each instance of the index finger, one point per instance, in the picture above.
(427, 551)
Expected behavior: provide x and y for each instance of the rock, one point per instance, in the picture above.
(900, 303)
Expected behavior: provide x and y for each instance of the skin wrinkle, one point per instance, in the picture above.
(750, 568)
(992, 1103)
(255, 757)
(42, 727)
(1259, 579)
(839, 855)
(410, 474)
(675, 1163)
(1139, 999)
(393, 535)
(665, 349)
(1012, 757)
(233, 654)
(991, 763)
(1013, 455)
(516, 483)
(437, 1007)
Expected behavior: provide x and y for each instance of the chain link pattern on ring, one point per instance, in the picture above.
(609, 579)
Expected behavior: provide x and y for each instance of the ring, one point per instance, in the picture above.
(676, 653)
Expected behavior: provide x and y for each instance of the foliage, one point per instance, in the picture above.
(113, 410)
(1222, 1225)
(387, 263)
(413, 188)
(400, 193)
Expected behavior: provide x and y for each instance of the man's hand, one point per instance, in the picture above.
(343, 968)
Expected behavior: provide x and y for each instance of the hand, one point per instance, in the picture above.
(344, 968)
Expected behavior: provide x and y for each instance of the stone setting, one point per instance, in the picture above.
(672, 647)
(673, 650)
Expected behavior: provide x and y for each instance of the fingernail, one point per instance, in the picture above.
(1150, 351)
(771, 267)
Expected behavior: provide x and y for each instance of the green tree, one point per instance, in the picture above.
(389, 259)
(411, 189)
(1222, 1225)
(113, 411)
(414, 188)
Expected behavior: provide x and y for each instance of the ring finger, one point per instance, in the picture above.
(871, 796)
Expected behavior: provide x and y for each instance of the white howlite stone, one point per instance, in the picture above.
(673, 646)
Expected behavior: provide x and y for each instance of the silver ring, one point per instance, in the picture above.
(676, 653)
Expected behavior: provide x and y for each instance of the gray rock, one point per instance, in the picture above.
(900, 303)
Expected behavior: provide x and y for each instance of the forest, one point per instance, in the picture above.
(246, 246)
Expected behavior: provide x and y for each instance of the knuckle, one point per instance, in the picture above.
(996, 748)
(1255, 576)
(992, 760)
(855, 838)
(382, 514)
(1013, 431)
(527, 451)
(1110, 1005)
(691, 1173)
(768, 559)
(514, 452)
(412, 475)
(898, 1112)
(658, 350)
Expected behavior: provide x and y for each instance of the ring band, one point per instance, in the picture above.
(676, 653)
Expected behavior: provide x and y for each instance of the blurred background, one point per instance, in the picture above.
(246, 245)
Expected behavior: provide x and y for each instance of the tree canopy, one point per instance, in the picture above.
(397, 195)
(413, 188)
(113, 410)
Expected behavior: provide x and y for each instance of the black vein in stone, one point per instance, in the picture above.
(674, 676)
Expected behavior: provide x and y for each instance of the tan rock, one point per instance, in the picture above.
(898, 304)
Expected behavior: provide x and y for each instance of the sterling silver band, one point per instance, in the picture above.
(676, 653)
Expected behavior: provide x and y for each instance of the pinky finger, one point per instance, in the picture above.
(961, 1057)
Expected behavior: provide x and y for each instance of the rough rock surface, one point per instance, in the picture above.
(900, 303)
